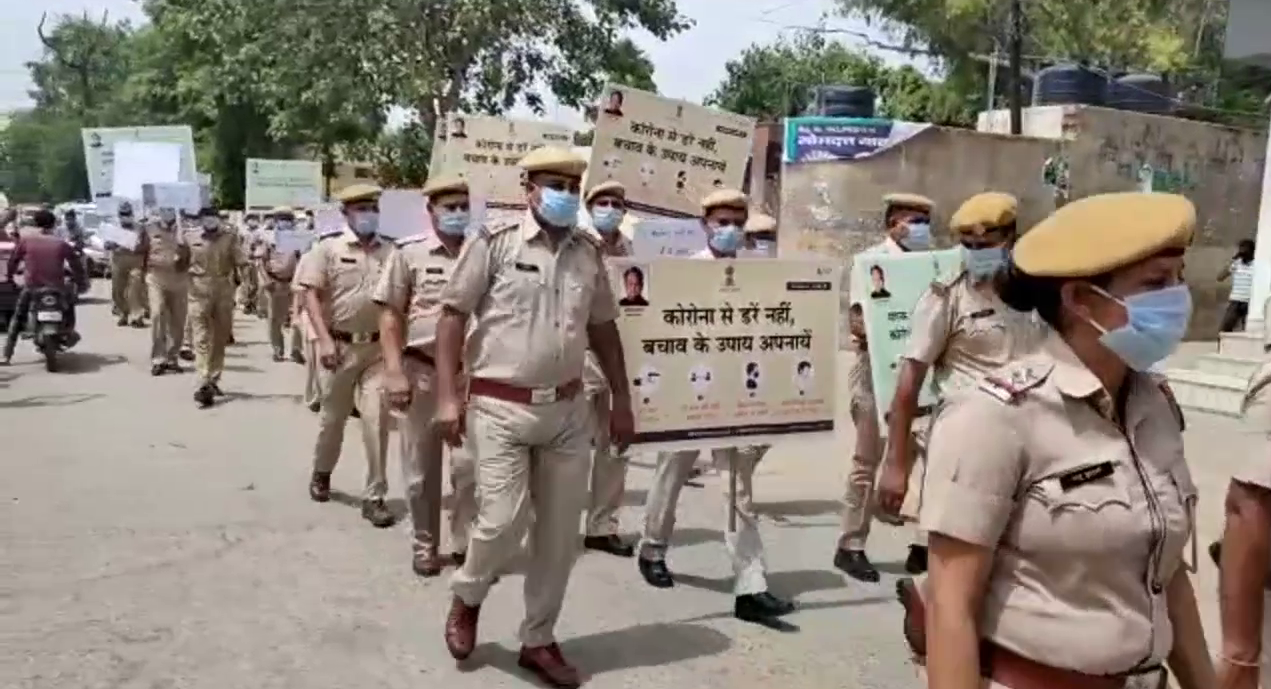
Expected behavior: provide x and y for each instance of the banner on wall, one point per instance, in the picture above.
(824, 139)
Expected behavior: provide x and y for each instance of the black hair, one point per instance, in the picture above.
(634, 270)
(617, 93)
(44, 219)
(1024, 292)
(877, 269)
(70, 213)
(893, 209)
(803, 366)
(1246, 243)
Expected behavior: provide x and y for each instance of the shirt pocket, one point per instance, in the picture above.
(519, 284)
(1082, 508)
(347, 274)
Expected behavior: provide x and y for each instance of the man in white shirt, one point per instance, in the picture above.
(1240, 270)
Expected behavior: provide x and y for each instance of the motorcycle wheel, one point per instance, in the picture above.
(50, 357)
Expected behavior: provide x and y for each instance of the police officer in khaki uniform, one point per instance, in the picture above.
(214, 256)
(165, 258)
(1057, 496)
(961, 330)
(607, 205)
(275, 271)
(249, 239)
(309, 336)
(126, 285)
(339, 281)
(538, 294)
(907, 219)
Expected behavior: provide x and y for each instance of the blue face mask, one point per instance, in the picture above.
(453, 223)
(983, 263)
(919, 238)
(559, 208)
(1156, 322)
(606, 220)
(365, 223)
(726, 239)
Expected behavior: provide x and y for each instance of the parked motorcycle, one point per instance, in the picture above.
(50, 332)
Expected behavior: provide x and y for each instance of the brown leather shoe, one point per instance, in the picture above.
(461, 628)
(547, 663)
(426, 565)
(320, 487)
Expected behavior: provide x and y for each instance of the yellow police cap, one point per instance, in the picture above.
(760, 222)
(282, 210)
(725, 198)
(610, 188)
(554, 159)
(984, 211)
(1096, 234)
(359, 192)
(445, 184)
(901, 200)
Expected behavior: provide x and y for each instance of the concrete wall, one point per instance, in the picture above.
(835, 209)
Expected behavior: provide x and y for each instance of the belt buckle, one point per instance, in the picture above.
(543, 395)
(361, 338)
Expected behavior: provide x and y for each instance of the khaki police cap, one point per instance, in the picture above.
(760, 222)
(900, 200)
(610, 188)
(359, 192)
(1096, 234)
(282, 210)
(725, 198)
(983, 212)
(445, 184)
(554, 159)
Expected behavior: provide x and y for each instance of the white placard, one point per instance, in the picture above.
(137, 163)
(99, 152)
(286, 242)
(403, 213)
(328, 219)
(181, 196)
(667, 237)
(126, 239)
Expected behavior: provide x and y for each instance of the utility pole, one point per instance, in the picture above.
(1016, 50)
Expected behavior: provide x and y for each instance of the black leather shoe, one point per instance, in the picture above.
(204, 397)
(916, 563)
(315, 407)
(158, 369)
(216, 390)
(298, 357)
(761, 608)
(377, 513)
(655, 573)
(458, 558)
(355, 414)
(609, 544)
(1215, 553)
(186, 355)
(173, 367)
(854, 564)
(320, 487)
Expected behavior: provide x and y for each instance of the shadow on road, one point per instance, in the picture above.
(798, 508)
(786, 584)
(395, 505)
(32, 401)
(87, 362)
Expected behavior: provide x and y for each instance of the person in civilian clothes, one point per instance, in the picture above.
(1240, 270)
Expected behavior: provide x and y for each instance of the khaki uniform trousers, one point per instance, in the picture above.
(169, 302)
(247, 289)
(211, 323)
(421, 452)
(126, 288)
(608, 472)
(532, 464)
(745, 547)
(313, 393)
(341, 389)
(263, 285)
(277, 308)
(187, 340)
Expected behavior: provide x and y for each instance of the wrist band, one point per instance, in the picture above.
(1238, 663)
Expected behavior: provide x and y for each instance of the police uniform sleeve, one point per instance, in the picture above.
(604, 306)
(312, 273)
(928, 328)
(975, 463)
(1254, 447)
(470, 278)
(393, 286)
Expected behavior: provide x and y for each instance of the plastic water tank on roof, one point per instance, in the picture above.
(842, 101)
(1068, 84)
(1140, 93)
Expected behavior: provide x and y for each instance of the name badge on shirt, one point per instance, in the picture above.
(983, 313)
(435, 271)
(526, 267)
(348, 260)
(1084, 475)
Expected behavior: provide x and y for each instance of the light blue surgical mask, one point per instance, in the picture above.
(365, 223)
(1156, 322)
(559, 208)
(606, 220)
(453, 223)
(726, 239)
(919, 238)
(983, 263)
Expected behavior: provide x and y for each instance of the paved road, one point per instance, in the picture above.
(146, 544)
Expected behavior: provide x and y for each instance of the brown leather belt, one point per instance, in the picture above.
(999, 664)
(354, 338)
(420, 356)
(499, 390)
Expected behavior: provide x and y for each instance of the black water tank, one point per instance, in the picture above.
(1140, 93)
(1068, 84)
(842, 101)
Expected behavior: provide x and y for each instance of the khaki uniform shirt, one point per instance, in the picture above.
(531, 302)
(417, 270)
(859, 378)
(1087, 521)
(965, 333)
(163, 246)
(213, 257)
(345, 275)
(1254, 465)
(284, 265)
(594, 381)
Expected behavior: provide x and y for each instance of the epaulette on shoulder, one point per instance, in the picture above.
(1011, 383)
(489, 232)
(1166, 390)
(413, 239)
(595, 241)
(330, 235)
(943, 284)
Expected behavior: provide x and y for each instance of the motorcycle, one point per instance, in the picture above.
(47, 325)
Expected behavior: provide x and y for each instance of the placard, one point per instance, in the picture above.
(485, 150)
(138, 163)
(289, 241)
(403, 213)
(126, 239)
(668, 237)
(822, 139)
(327, 219)
(728, 352)
(273, 183)
(668, 153)
(888, 287)
(99, 152)
(180, 196)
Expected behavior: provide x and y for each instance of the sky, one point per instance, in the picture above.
(688, 66)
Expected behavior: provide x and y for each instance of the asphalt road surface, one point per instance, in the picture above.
(147, 544)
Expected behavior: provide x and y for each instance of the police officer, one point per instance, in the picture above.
(276, 270)
(165, 260)
(961, 330)
(723, 217)
(214, 255)
(607, 205)
(309, 335)
(538, 295)
(249, 244)
(126, 285)
(1057, 497)
(409, 292)
(907, 219)
(339, 281)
